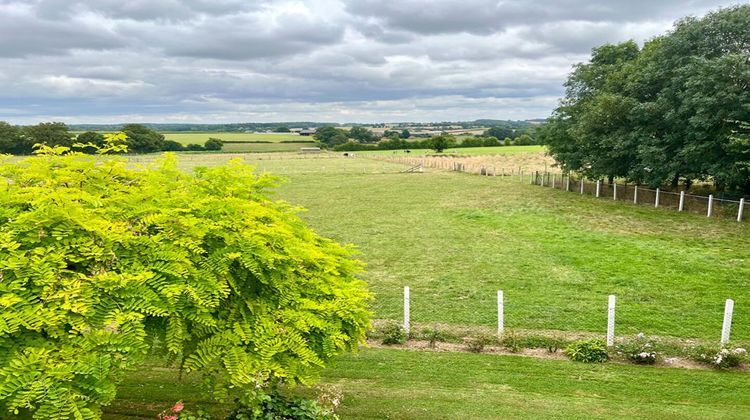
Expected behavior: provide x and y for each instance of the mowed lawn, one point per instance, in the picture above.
(403, 384)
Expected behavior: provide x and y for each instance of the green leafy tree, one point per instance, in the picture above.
(172, 146)
(665, 113)
(213, 144)
(329, 136)
(49, 133)
(142, 139)
(405, 134)
(98, 261)
(361, 134)
(93, 139)
(442, 142)
(282, 129)
(500, 132)
(12, 140)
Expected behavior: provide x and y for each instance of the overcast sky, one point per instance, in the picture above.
(209, 61)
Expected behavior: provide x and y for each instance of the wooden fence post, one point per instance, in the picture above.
(726, 326)
(682, 201)
(656, 201)
(567, 182)
(710, 205)
(581, 185)
(554, 178)
(500, 313)
(598, 187)
(407, 310)
(611, 321)
(635, 195)
(614, 191)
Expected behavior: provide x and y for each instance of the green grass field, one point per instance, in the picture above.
(458, 151)
(456, 239)
(403, 384)
(201, 137)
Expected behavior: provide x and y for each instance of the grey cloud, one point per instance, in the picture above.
(488, 16)
(212, 61)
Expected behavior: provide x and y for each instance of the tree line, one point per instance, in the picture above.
(359, 138)
(673, 112)
(20, 140)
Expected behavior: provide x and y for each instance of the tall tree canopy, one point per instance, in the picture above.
(673, 110)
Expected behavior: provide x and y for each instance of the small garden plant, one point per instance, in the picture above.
(722, 357)
(588, 351)
(393, 333)
(640, 349)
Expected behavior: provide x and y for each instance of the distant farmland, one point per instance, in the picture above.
(246, 142)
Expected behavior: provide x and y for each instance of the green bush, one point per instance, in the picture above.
(640, 349)
(213, 144)
(393, 333)
(98, 260)
(588, 351)
(511, 341)
(433, 336)
(476, 344)
(275, 405)
(719, 357)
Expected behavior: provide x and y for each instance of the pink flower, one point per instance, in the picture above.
(170, 417)
(178, 407)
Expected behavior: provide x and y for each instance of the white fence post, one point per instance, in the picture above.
(656, 201)
(682, 200)
(741, 210)
(611, 321)
(635, 195)
(581, 186)
(598, 187)
(567, 182)
(726, 327)
(554, 179)
(614, 191)
(710, 205)
(407, 310)
(500, 313)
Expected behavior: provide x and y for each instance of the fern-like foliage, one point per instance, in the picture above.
(96, 259)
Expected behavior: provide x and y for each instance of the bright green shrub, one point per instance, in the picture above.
(97, 260)
(588, 351)
(393, 333)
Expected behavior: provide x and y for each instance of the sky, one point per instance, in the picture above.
(219, 61)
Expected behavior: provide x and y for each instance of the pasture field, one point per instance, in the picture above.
(402, 384)
(499, 150)
(201, 137)
(457, 238)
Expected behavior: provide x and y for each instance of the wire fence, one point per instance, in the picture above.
(717, 321)
(682, 201)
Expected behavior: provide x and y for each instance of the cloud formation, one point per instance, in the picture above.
(322, 60)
